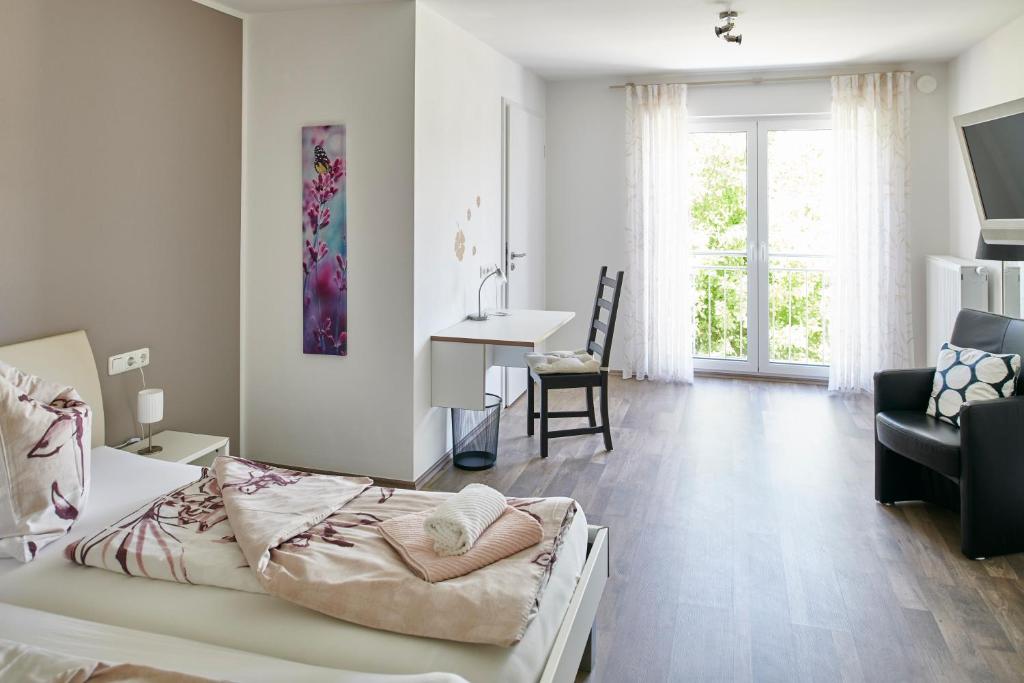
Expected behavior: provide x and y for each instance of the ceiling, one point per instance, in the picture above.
(577, 38)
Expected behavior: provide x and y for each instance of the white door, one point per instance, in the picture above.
(523, 220)
(761, 243)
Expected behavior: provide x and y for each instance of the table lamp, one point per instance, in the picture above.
(480, 315)
(151, 409)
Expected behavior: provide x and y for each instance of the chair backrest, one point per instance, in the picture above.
(608, 291)
(990, 332)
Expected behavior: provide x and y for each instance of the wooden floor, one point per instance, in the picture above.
(747, 545)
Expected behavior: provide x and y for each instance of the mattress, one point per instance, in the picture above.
(122, 482)
(115, 645)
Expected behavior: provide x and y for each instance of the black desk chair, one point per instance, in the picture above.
(977, 470)
(608, 291)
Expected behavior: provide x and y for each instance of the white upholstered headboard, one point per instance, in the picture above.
(64, 359)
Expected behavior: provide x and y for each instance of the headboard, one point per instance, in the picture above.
(64, 359)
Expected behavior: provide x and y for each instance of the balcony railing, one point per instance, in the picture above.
(720, 305)
(798, 309)
(798, 306)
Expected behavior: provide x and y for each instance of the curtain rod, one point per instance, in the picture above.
(756, 80)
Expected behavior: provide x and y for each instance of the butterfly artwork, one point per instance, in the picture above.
(324, 241)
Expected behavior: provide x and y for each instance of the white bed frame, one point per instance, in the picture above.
(68, 359)
(574, 648)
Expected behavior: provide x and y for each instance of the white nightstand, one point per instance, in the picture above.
(183, 446)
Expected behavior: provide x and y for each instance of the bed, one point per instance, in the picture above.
(104, 643)
(552, 649)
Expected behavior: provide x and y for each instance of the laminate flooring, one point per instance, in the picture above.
(746, 543)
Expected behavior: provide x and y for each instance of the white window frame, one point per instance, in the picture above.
(758, 257)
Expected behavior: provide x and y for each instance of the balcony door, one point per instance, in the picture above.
(761, 245)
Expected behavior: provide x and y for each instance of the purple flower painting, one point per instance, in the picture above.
(324, 244)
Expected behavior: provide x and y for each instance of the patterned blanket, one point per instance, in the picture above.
(312, 539)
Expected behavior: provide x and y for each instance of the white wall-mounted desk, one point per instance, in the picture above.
(461, 355)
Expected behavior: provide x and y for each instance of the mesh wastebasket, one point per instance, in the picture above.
(475, 435)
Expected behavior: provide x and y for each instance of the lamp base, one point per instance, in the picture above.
(150, 450)
(478, 318)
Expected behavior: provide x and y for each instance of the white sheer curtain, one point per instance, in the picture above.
(871, 320)
(656, 323)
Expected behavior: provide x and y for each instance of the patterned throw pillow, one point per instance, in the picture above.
(963, 375)
(45, 440)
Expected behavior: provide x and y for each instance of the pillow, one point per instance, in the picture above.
(560, 362)
(963, 375)
(45, 440)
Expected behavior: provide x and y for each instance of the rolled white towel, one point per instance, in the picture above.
(455, 524)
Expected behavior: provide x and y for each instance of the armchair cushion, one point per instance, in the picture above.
(921, 438)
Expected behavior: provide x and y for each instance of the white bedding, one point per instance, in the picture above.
(121, 482)
(115, 645)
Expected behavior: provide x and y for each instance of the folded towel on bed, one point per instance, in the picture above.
(455, 524)
(562, 361)
(513, 531)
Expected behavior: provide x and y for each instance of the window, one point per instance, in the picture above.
(761, 245)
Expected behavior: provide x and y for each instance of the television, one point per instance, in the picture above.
(992, 142)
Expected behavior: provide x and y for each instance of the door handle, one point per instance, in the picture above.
(518, 254)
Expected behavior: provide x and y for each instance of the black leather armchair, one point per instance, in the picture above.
(978, 469)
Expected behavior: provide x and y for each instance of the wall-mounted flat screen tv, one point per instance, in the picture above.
(992, 142)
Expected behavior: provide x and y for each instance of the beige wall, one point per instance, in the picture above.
(120, 146)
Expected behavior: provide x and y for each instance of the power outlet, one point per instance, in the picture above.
(132, 360)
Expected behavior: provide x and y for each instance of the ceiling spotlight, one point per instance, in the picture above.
(724, 29)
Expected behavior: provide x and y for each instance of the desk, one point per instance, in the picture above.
(461, 355)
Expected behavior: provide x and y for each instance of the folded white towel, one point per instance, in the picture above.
(562, 361)
(455, 524)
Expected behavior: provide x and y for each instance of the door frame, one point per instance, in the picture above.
(765, 366)
(748, 126)
(506, 258)
(757, 361)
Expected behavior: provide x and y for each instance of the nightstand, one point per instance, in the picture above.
(183, 446)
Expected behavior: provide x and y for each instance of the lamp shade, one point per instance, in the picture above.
(151, 406)
(999, 252)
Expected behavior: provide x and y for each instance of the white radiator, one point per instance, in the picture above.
(952, 284)
(1012, 284)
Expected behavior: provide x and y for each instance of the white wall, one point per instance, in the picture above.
(350, 64)
(586, 179)
(990, 73)
(460, 83)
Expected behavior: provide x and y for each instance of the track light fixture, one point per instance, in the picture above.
(724, 30)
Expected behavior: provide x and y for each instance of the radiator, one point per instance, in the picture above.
(1012, 291)
(952, 284)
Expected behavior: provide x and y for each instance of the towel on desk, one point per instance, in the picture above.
(562, 361)
(455, 524)
(513, 531)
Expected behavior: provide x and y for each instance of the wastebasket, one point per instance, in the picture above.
(475, 435)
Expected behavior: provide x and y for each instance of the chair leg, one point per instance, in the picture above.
(590, 407)
(543, 421)
(604, 414)
(529, 405)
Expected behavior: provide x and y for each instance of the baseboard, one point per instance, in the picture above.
(714, 374)
(749, 376)
(433, 471)
(379, 481)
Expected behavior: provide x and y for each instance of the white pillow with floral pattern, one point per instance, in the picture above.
(45, 440)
